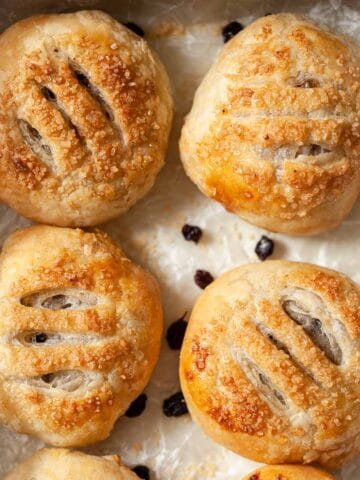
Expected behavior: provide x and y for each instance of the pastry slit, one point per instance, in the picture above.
(309, 153)
(68, 381)
(292, 152)
(304, 80)
(45, 338)
(35, 141)
(314, 328)
(262, 384)
(96, 94)
(51, 97)
(264, 330)
(60, 299)
(311, 150)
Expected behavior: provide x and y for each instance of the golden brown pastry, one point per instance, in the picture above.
(61, 464)
(274, 131)
(85, 112)
(80, 329)
(270, 365)
(288, 472)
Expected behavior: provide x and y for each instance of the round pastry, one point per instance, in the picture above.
(274, 131)
(85, 113)
(61, 464)
(80, 329)
(288, 472)
(270, 363)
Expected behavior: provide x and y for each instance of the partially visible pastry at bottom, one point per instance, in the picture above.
(288, 472)
(269, 366)
(62, 464)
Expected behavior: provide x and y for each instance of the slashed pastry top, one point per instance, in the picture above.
(270, 365)
(274, 131)
(85, 112)
(80, 329)
(61, 464)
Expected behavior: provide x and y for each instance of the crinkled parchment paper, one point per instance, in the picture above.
(187, 36)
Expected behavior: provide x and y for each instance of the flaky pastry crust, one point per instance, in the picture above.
(61, 464)
(80, 329)
(85, 113)
(288, 472)
(274, 131)
(270, 365)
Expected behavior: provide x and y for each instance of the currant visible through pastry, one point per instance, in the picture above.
(61, 464)
(270, 363)
(85, 112)
(288, 472)
(80, 329)
(274, 130)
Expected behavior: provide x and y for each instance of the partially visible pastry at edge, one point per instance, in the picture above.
(85, 113)
(274, 131)
(270, 364)
(61, 464)
(288, 472)
(80, 329)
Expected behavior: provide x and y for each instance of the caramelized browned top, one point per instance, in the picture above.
(274, 129)
(272, 350)
(85, 111)
(75, 316)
